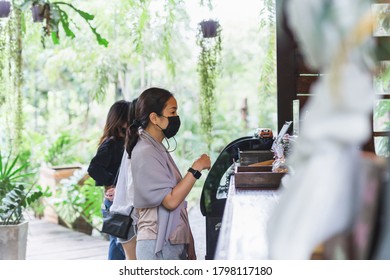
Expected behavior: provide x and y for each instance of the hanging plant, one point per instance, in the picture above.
(5, 9)
(209, 28)
(208, 3)
(53, 14)
(38, 11)
(209, 40)
(11, 99)
(18, 75)
(15, 76)
(155, 30)
(3, 65)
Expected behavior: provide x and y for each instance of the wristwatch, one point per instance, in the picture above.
(194, 172)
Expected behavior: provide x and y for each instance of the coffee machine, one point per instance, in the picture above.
(215, 188)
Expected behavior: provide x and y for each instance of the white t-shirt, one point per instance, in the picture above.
(124, 190)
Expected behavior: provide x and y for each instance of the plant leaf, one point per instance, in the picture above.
(7, 169)
(85, 15)
(65, 24)
(55, 38)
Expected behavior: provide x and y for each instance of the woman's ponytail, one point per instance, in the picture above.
(132, 137)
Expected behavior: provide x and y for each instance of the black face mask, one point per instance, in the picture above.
(173, 126)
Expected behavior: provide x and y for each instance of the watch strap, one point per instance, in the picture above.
(194, 172)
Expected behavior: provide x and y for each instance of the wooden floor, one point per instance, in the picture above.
(49, 241)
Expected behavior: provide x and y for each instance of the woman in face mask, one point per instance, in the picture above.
(159, 189)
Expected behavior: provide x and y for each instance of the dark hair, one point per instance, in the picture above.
(117, 116)
(151, 100)
(131, 117)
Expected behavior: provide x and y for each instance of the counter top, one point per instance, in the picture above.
(243, 231)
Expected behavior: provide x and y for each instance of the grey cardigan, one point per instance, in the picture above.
(155, 174)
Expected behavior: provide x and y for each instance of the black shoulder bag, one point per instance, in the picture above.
(117, 224)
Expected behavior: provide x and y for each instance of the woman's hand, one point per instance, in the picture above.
(202, 163)
(109, 193)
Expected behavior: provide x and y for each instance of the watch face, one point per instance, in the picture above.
(197, 174)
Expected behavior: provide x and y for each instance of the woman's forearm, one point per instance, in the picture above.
(178, 194)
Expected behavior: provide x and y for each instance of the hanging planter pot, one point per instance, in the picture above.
(38, 12)
(5, 9)
(209, 28)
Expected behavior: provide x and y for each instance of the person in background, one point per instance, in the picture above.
(104, 166)
(163, 229)
(124, 197)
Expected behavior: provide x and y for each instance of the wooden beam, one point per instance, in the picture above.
(304, 83)
(383, 96)
(286, 67)
(383, 48)
(381, 133)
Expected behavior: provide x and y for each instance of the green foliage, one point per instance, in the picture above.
(208, 61)
(56, 15)
(267, 80)
(60, 151)
(16, 32)
(18, 200)
(208, 3)
(381, 116)
(170, 7)
(12, 174)
(16, 193)
(382, 108)
(382, 78)
(382, 146)
(3, 65)
(11, 76)
(153, 31)
(140, 11)
(383, 17)
(79, 198)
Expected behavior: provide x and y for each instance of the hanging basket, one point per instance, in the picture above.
(38, 12)
(5, 9)
(209, 28)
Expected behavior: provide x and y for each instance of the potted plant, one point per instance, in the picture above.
(5, 9)
(53, 14)
(78, 203)
(38, 11)
(15, 196)
(209, 28)
(209, 40)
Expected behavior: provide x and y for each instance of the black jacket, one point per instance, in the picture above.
(105, 164)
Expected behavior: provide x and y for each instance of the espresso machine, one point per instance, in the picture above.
(215, 188)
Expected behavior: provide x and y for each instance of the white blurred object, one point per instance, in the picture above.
(315, 201)
(322, 26)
